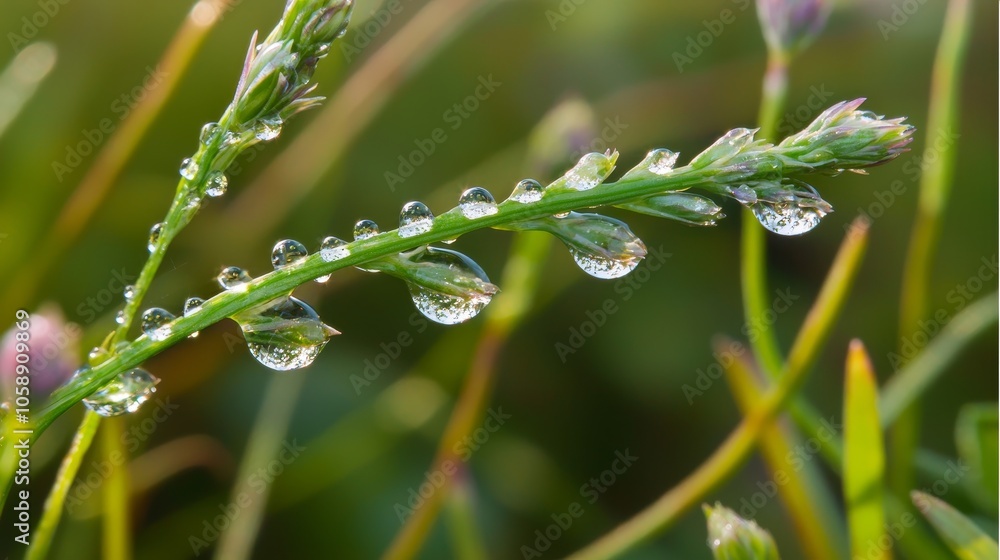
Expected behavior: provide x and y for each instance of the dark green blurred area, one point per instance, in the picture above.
(621, 390)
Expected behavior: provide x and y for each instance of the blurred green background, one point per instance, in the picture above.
(622, 390)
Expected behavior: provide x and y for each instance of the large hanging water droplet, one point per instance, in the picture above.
(603, 247)
(365, 229)
(189, 169)
(284, 334)
(125, 394)
(661, 161)
(288, 252)
(790, 209)
(477, 202)
(208, 133)
(267, 129)
(216, 184)
(527, 191)
(129, 292)
(234, 279)
(590, 171)
(446, 286)
(155, 323)
(154, 236)
(415, 218)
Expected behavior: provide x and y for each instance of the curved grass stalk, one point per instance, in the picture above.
(300, 166)
(53, 509)
(935, 184)
(731, 454)
(884, 144)
(264, 442)
(95, 185)
(117, 541)
(804, 494)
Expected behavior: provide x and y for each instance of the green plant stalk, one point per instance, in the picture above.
(263, 444)
(521, 276)
(64, 479)
(280, 282)
(466, 539)
(94, 186)
(732, 453)
(864, 456)
(117, 543)
(813, 512)
(916, 377)
(839, 138)
(753, 269)
(935, 185)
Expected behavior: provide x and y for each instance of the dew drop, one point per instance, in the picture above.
(284, 334)
(208, 132)
(365, 229)
(267, 129)
(590, 171)
(97, 355)
(120, 317)
(192, 305)
(527, 191)
(446, 286)
(155, 323)
(125, 394)
(743, 194)
(603, 247)
(794, 212)
(415, 218)
(287, 252)
(189, 169)
(129, 292)
(477, 202)
(449, 241)
(234, 279)
(154, 236)
(216, 184)
(333, 249)
(662, 161)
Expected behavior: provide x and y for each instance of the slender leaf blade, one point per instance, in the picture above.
(964, 538)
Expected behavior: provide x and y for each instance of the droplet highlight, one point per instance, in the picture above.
(662, 161)
(527, 191)
(287, 252)
(414, 219)
(129, 292)
(285, 334)
(590, 171)
(125, 394)
(234, 279)
(189, 169)
(267, 129)
(155, 323)
(477, 202)
(154, 236)
(216, 184)
(365, 229)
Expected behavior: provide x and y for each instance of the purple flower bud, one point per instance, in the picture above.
(789, 25)
(53, 347)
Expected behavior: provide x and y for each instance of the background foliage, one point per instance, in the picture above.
(622, 390)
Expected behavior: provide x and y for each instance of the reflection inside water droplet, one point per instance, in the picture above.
(414, 219)
(125, 394)
(155, 322)
(477, 202)
(284, 334)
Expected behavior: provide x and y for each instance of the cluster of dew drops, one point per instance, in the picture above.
(287, 334)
